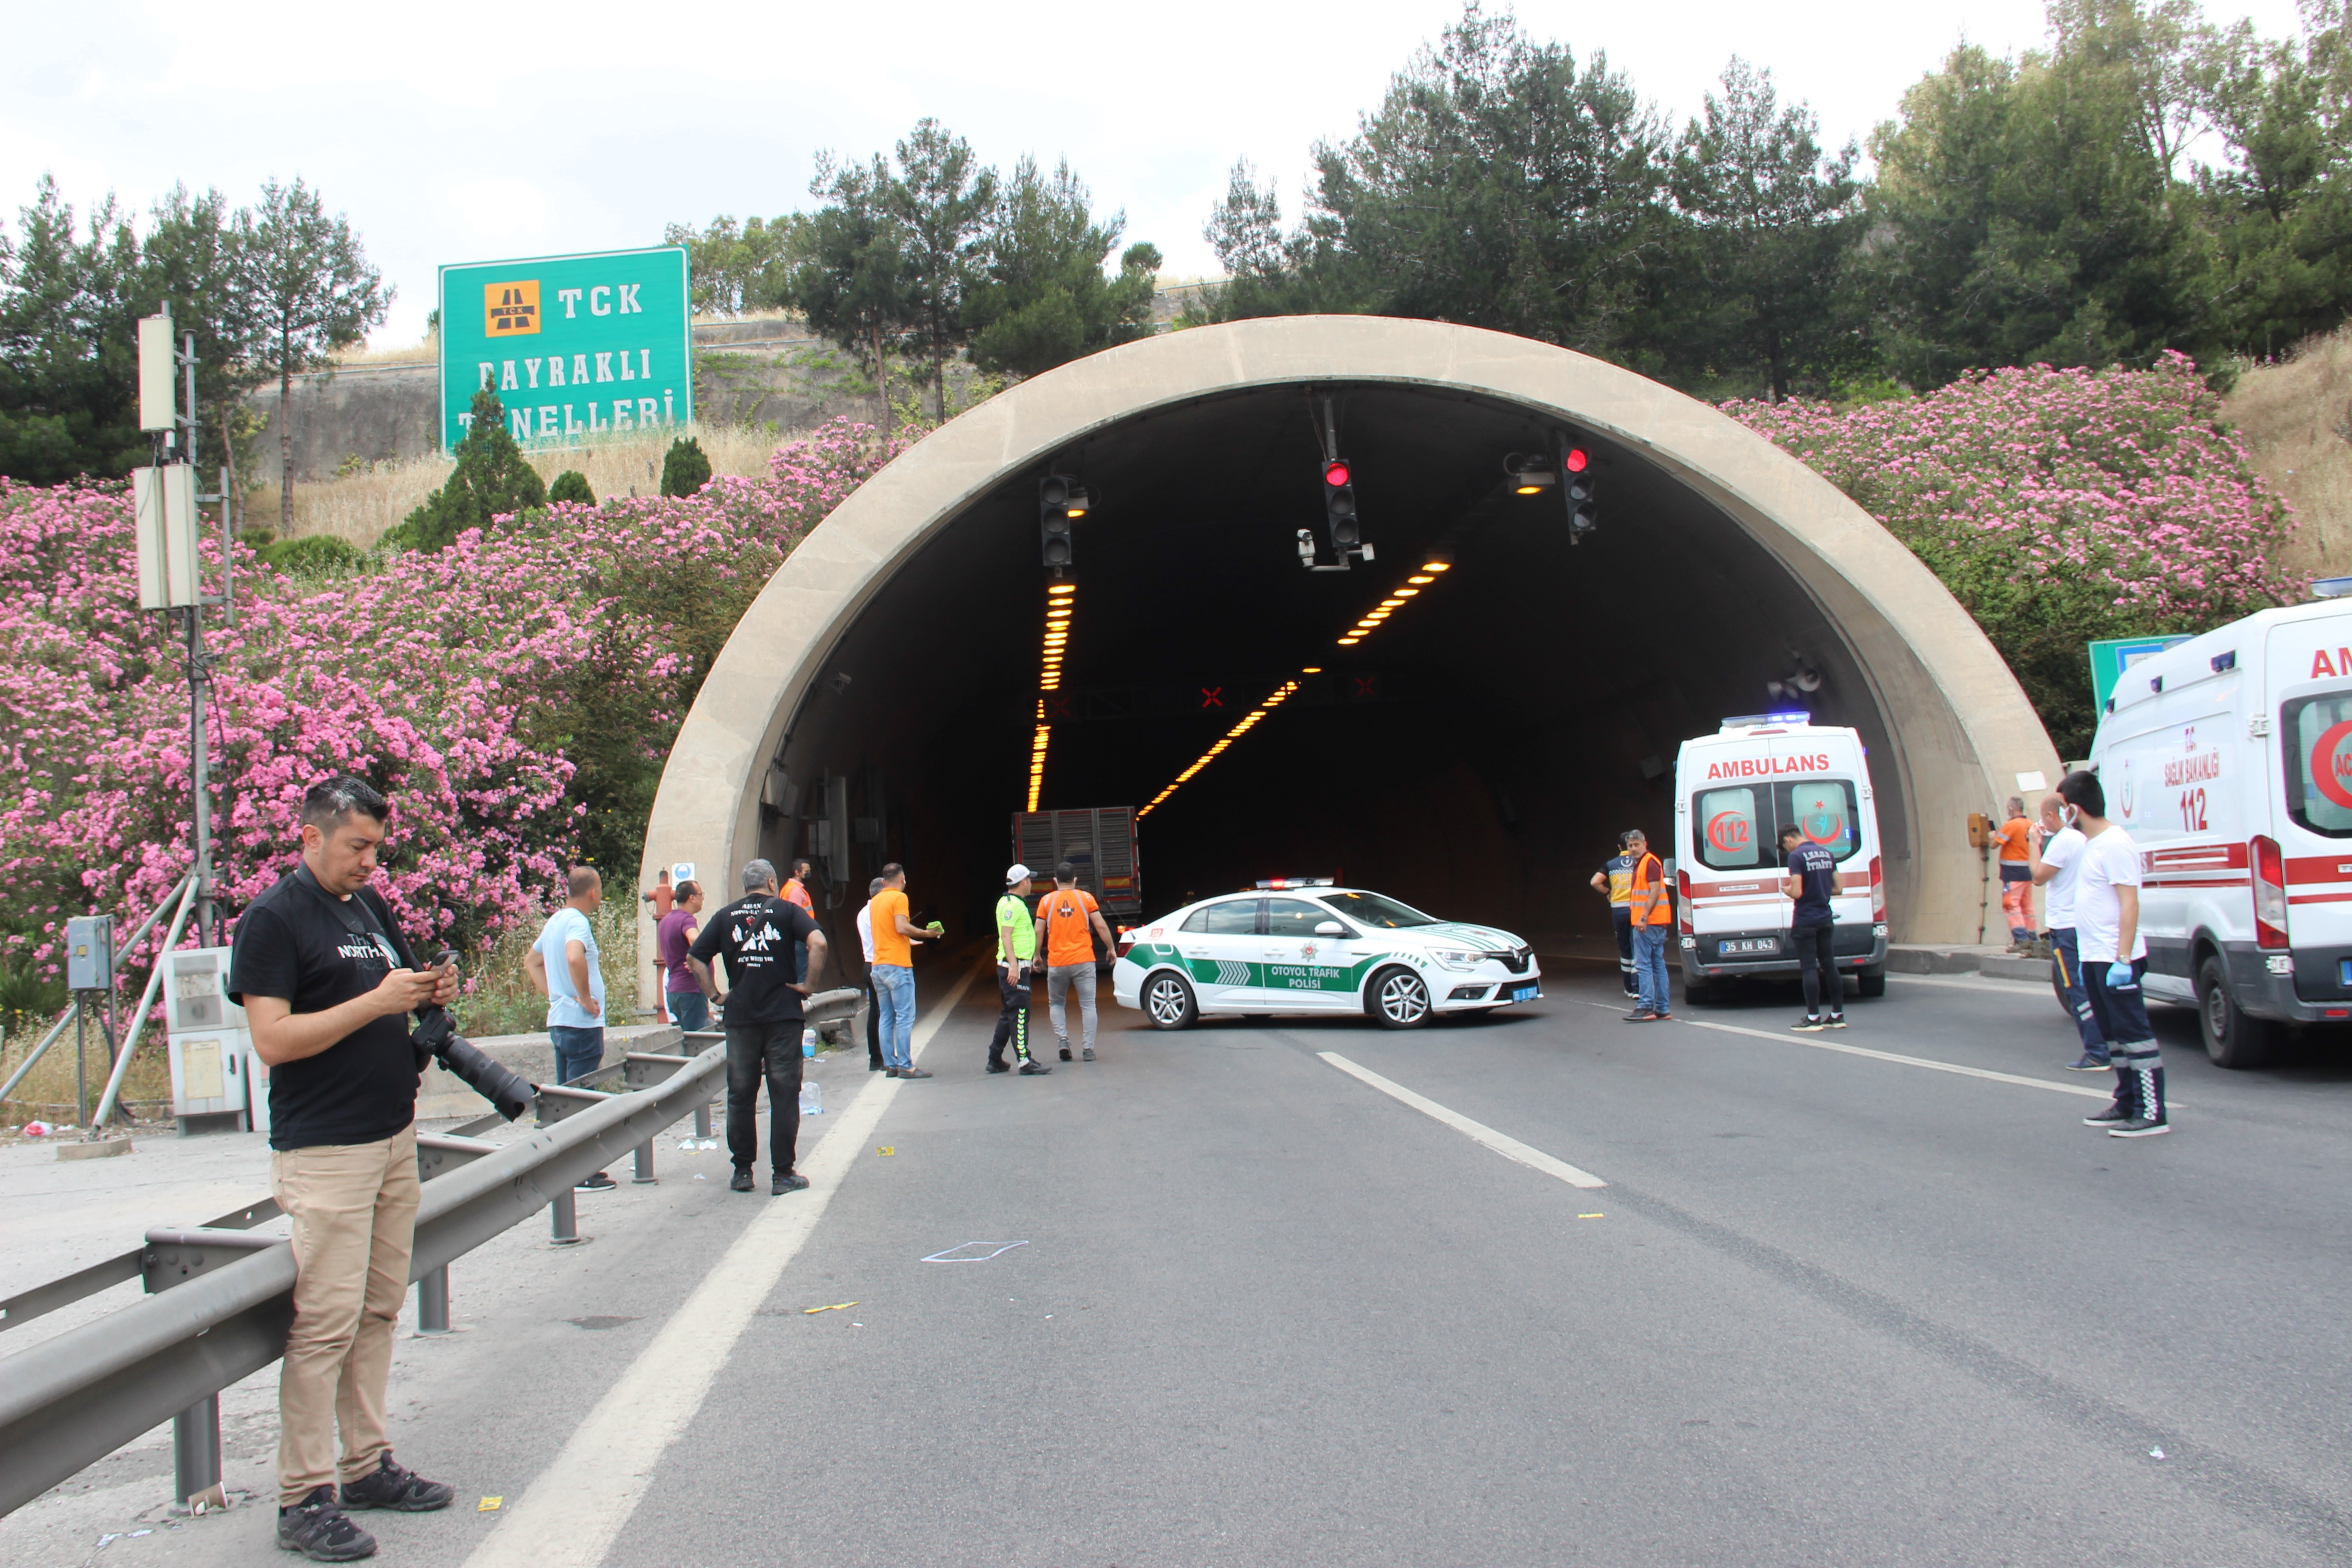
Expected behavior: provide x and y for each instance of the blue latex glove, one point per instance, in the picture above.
(2119, 976)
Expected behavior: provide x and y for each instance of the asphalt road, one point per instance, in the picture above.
(1828, 1308)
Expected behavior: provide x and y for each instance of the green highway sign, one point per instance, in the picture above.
(2111, 657)
(578, 347)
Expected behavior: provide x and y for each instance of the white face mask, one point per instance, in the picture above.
(2071, 814)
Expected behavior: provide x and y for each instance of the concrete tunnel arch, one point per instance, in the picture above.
(1956, 728)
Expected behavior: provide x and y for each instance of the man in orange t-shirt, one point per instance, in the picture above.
(1067, 922)
(2017, 875)
(893, 970)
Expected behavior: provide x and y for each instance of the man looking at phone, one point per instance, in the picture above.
(326, 983)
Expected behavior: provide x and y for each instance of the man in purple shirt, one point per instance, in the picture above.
(689, 1007)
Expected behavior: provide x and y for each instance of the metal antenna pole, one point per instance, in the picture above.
(199, 673)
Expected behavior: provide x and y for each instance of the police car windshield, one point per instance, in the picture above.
(1372, 909)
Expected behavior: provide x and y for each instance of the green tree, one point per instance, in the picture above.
(68, 369)
(1771, 220)
(572, 485)
(942, 199)
(491, 479)
(311, 291)
(190, 260)
(851, 278)
(737, 268)
(1040, 298)
(684, 469)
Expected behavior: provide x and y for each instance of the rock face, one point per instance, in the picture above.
(764, 370)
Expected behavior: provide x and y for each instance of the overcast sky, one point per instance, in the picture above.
(482, 131)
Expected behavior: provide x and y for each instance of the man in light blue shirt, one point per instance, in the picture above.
(562, 965)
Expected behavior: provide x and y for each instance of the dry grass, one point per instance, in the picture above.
(359, 507)
(500, 998)
(2296, 417)
(47, 1092)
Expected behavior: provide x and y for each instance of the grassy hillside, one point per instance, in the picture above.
(2296, 419)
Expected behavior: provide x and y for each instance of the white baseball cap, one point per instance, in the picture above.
(1017, 872)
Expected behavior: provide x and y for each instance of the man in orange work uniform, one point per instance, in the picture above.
(1654, 921)
(895, 937)
(2017, 875)
(1067, 921)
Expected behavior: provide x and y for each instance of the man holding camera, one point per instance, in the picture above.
(326, 983)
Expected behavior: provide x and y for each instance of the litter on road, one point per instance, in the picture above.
(837, 1307)
(996, 1249)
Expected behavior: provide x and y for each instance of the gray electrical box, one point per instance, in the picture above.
(89, 953)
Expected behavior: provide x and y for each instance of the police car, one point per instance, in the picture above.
(1305, 946)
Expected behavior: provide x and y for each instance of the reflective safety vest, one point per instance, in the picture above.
(1648, 899)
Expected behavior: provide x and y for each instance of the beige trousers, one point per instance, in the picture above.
(354, 1211)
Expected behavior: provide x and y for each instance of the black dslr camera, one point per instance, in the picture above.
(436, 1035)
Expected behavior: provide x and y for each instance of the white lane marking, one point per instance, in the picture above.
(575, 1510)
(1819, 1044)
(1479, 1132)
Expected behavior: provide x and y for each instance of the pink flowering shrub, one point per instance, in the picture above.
(514, 694)
(2059, 506)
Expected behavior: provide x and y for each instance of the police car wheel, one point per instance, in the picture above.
(1168, 1002)
(1399, 999)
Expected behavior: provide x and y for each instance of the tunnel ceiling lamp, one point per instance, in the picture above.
(1061, 601)
(1250, 720)
(1061, 501)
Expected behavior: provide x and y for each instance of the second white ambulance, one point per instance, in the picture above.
(1733, 791)
(2229, 760)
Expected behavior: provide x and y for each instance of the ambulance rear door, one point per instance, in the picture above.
(2309, 667)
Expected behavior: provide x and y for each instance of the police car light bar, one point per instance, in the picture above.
(1269, 883)
(1749, 720)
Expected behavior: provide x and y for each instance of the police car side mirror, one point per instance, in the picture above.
(1330, 928)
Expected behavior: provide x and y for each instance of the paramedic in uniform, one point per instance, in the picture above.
(2057, 866)
(1813, 882)
(1615, 879)
(2114, 955)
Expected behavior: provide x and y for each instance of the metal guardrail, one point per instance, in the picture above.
(220, 1299)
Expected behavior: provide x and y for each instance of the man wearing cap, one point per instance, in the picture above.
(1016, 947)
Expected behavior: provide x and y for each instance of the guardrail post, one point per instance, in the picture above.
(432, 1302)
(197, 1455)
(702, 1119)
(565, 1212)
(645, 1166)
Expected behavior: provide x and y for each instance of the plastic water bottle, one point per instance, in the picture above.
(811, 1098)
(808, 1042)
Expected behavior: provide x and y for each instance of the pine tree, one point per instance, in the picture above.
(572, 485)
(686, 470)
(491, 479)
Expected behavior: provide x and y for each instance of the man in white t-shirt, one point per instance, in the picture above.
(873, 1010)
(2054, 859)
(2114, 954)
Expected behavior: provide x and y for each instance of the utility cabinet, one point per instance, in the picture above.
(210, 1048)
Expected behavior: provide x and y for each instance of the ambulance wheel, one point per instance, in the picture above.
(1870, 981)
(2231, 1038)
(1168, 1001)
(1398, 999)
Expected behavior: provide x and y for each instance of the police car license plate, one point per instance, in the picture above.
(1752, 944)
(1525, 993)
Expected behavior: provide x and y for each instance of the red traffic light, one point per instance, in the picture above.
(1335, 473)
(1577, 460)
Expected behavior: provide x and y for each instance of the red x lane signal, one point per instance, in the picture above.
(1058, 705)
(1212, 697)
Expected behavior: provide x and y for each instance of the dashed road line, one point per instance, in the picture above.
(1478, 1131)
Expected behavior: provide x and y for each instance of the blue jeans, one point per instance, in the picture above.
(894, 995)
(578, 1052)
(690, 1010)
(2066, 979)
(1650, 968)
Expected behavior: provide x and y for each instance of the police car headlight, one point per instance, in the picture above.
(1456, 957)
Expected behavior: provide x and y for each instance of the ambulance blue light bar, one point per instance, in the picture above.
(1267, 883)
(1748, 720)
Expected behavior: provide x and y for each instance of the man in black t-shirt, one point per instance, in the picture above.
(759, 935)
(1812, 881)
(327, 985)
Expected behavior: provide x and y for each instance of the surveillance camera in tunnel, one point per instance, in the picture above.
(1061, 501)
(1340, 507)
(1530, 476)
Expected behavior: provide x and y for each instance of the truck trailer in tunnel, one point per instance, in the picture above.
(1465, 721)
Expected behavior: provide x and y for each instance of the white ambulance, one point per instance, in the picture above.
(1733, 791)
(2229, 760)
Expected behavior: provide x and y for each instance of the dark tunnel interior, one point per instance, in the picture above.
(1475, 754)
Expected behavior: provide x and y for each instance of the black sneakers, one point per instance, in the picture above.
(1034, 1069)
(1065, 1052)
(2112, 1116)
(392, 1486)
(317, 1529)
(1834, 1021)
(790, 1182)
(2138, 1127)
(1000, 1067)
(740, 1182)
(1809, 1025)
(599, 1183)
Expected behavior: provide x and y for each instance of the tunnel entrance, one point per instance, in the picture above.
(1518, 700)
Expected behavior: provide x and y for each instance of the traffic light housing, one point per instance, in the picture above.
(1061, 501)
(1581, 490)
(1345, 530)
